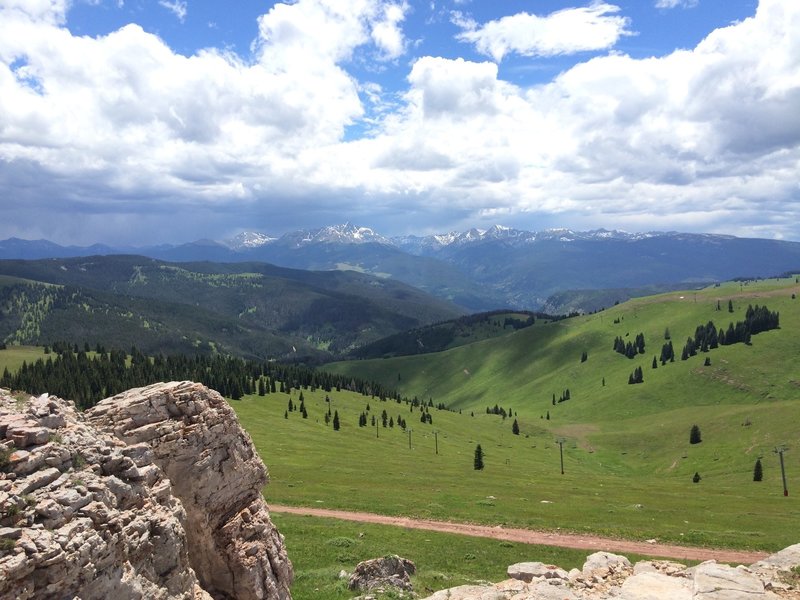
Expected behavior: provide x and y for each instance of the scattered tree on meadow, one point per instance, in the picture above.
(636, 377)
(336, 421)
(655, 363)
(478, 461)
(515, 428)
(694, 435)
(758, 471)
(696, 478)
(584, 356)
(730, 306)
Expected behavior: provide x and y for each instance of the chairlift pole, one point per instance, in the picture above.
(560, 442)
(779, 451)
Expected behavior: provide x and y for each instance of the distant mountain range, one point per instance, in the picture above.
(485, 269)
(247, 309)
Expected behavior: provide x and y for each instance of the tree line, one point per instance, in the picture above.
(86, 378)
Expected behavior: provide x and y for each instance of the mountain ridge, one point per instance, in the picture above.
(485, 269)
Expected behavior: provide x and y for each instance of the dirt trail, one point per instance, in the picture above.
(528, 536)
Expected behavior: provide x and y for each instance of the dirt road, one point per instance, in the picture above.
(527, 536)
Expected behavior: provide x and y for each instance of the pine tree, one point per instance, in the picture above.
(696, 478)
(515, 428)
(694, 435)
(730, 306)
(655, 363)
(336, 421)
(758, 471)
(478, 461)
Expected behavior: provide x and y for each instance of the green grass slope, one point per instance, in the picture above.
(448, 334)
(627, 452)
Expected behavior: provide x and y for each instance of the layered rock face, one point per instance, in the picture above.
(155, 493)
(607, 576)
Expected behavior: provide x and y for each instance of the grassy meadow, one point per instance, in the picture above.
(628, 463)
(320, 548)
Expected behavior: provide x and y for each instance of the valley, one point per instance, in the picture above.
(628, 464)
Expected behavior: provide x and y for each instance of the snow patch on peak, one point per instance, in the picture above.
(247, 240)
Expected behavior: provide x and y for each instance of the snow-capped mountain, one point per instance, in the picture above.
(247, 240)
(346, 233)
(482, 269)
(431, 244)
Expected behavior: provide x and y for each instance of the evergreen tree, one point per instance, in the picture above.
(696, 478)
(286, 414)
(336, 421)
(694, 435)
(515, 428)
(758, 472)
(655, 363)
(478, 461)
(730, 306)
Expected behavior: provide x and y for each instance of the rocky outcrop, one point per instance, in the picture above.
(379, 574)
(605, 576)
(155, 493)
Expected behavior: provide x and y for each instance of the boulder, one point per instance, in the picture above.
(713, 581)
(92, 508)
(529, 571)
(381, 573)
(194, 436)
(655, 586)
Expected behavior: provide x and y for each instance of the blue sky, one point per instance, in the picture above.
(146, 121)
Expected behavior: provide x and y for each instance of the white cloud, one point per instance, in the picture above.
(48, 11)
(675, 3)
(595, 27)
(122, 134)
(176, 7)
(386, 32)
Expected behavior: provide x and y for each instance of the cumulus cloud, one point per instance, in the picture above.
(387, 33)
(122, 134)
(47, 11)
(595, 27)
